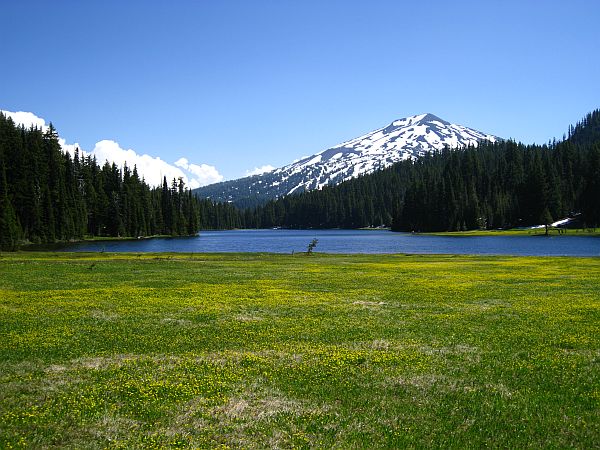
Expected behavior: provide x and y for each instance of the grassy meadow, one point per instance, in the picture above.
(280, 351)
(584, 232)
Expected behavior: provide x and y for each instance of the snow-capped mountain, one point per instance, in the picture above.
(410, 137)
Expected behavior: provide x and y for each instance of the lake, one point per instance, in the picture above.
(351, 241)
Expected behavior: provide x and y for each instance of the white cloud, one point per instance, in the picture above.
(260, 170)
(182, 162)
(29, 119)
(26, 118)
(203, 173)
(153, 169)
(70, 148)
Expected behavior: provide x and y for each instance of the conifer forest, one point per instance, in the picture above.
(47, 195)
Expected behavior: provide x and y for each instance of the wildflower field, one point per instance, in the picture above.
(280, 351)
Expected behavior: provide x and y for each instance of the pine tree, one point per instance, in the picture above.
(10, 230)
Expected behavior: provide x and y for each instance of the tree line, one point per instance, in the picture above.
(48, 195)
(494, 185)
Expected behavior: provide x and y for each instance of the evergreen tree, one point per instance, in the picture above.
(10, 231)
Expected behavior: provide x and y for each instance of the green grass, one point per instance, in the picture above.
(279, 351)
(523, 232)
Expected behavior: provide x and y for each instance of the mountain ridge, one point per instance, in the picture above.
(409, 137)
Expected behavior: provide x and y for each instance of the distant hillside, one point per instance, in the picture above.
(495, 185)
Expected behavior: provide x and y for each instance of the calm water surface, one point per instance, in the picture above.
(352, 241)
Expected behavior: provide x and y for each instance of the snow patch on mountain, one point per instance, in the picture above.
(402, 139)
(406, 138)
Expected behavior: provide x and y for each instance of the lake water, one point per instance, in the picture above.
(351, 241)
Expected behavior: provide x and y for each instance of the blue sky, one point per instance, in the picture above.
(236, 85)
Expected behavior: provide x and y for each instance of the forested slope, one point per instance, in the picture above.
(494, 185)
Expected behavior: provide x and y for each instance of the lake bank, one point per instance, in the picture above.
(582, 232)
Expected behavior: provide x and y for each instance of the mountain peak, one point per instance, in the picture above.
(419, 119)
(433, 118)
(406, 138)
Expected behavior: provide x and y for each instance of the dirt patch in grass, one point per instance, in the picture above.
(368, 303)
(177, 322)
(248, 318)
(103, 315)
(258, 406)
(426, 383)
(94, 363)
(255, 417)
